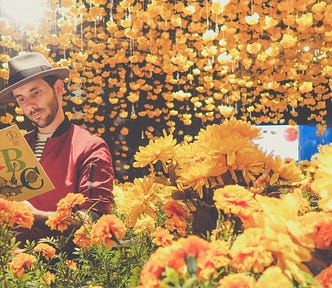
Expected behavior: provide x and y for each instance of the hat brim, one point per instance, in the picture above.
(6, 95)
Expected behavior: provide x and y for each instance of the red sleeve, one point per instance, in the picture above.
(96, 177)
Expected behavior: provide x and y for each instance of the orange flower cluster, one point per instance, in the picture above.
(64, 215)
(108, 230)
(15, 213)
(46, 250)
(21, 263)
(173, 65)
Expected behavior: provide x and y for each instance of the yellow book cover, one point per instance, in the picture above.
(21, 175)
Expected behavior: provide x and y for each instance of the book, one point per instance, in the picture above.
(21, 175)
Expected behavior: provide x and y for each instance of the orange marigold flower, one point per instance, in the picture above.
(237, 200)
(325, 277)
(13, 212)
(161, 237)
(323, 234)
(237, 280)
(215, 258)
(71, 265)
(22, 215)
(6, 211)
(63, 216)
(108, 229)
(71, 201)
(46, 250)
(154, 267)
(59, 221)
(248, 251)
(174, 208)
(21, 263)
(81, 237)
(176, 224)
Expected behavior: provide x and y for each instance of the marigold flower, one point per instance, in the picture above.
(71, 265)
(249, 252)
(21, 263)
(176, 224)
(237, 280)
(273, 277)
(323, 234)
(237, 200)
(63, 216)
(161, 237)
(46, 250)
(108, 229)
(159, 149)
(82, 237)
(174, 208)
(49, 277)
(325, 277)
(15, 213)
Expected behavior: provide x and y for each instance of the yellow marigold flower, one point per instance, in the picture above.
(209, 35)
(46, 250)
(49, 277)
(285, 169)
(145, 223)
(237, 280)
(290, 241)
(273, 277)
(252, 19)
(159, 149)
(141, 197)
(306, 87)
(249, 251)
(161, 237)
(21, 263)
(323, 176)
(304, 21)
(288, 41)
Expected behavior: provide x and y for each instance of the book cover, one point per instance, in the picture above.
(21, 175)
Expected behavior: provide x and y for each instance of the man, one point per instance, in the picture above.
(74, 159)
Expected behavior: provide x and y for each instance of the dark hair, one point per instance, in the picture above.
(51, 79)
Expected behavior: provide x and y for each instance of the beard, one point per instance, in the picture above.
(51, 110)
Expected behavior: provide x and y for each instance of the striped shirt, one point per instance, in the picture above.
(40, 145)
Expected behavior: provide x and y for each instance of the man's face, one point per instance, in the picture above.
(38, 102)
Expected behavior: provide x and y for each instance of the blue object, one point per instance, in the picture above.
(309, 141)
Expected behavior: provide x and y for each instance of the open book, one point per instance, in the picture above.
(21, 175)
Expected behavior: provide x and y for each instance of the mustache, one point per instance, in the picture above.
(35, 111)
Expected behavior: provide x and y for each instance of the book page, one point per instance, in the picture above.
(21, 175)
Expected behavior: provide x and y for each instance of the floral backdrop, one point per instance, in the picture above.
(141, 67)
(173, 85)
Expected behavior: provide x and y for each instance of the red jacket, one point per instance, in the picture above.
(76, 161)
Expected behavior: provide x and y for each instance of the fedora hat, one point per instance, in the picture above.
(25, 68)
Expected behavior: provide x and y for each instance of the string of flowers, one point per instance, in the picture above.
(175, 65)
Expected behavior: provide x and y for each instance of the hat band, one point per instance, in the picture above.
(27, 73)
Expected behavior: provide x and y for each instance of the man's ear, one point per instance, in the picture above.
(59, 87)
